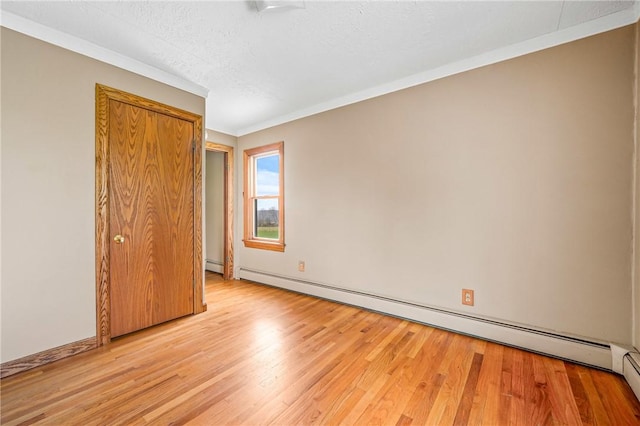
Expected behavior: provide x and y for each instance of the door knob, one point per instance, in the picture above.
(118, 239)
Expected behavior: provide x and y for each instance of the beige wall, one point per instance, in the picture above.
(48, 163)
(1, 186)
(636, 292)
(514, 179)
(214, 207)
(221, 138)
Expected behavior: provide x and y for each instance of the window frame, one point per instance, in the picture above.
(249, 196)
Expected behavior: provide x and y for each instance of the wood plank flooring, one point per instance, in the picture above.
(260, 355)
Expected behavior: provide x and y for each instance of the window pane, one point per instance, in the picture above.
(268, 175)
(266, 219)
(264, 197)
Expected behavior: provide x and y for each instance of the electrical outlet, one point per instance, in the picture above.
(301, 265)
(467, 297)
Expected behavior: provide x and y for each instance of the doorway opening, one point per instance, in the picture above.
(227, 211)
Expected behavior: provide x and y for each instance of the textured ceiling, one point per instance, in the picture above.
(261, 66)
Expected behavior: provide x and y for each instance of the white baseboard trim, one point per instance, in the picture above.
(214, 266)
(570, 348)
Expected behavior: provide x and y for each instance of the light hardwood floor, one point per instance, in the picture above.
(260, 355)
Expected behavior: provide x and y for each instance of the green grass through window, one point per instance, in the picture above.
(268, 232)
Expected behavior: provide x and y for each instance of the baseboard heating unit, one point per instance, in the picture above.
(214, 266)
(631, 371)
(597, 354)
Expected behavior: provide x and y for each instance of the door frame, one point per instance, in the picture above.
(227, 269)
(103, 238)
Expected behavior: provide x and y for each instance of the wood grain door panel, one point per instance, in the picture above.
(152, 207)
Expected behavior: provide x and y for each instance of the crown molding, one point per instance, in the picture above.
(75, 44)
(83, 47)
(596, 26)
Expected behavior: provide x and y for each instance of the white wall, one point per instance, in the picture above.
(214, 210)
(47, 194)
(514, 179)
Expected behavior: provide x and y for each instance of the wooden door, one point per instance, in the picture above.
(151, 217)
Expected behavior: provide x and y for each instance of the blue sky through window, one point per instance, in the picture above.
(269, 163)
(268, 179)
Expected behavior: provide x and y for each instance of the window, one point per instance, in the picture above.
(264, 197)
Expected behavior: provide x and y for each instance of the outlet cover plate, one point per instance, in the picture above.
(467, 297)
